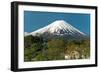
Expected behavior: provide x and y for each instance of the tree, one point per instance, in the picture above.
(28, 40)
(28, 54)
(82, 47)
(55, 49)
(32, 46)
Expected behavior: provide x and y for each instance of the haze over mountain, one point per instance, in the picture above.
(58, 28)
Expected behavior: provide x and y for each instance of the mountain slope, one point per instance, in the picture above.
(59, 27)
(26, 34)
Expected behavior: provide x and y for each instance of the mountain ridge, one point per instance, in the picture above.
(58, 28)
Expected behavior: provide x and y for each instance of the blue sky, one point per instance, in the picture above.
(34, 20)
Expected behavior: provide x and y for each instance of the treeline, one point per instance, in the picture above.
(36, 49)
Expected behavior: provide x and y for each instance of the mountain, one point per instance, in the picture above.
(26, 34)
(59, 28)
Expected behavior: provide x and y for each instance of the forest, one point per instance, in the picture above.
(36, 49)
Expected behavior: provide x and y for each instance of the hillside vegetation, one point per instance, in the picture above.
(36, 49)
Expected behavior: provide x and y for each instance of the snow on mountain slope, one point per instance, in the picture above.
(58, 27)
(26, 33)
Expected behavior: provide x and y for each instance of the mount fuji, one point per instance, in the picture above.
(59, 28)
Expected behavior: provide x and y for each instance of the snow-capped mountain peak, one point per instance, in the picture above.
(58, 27)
